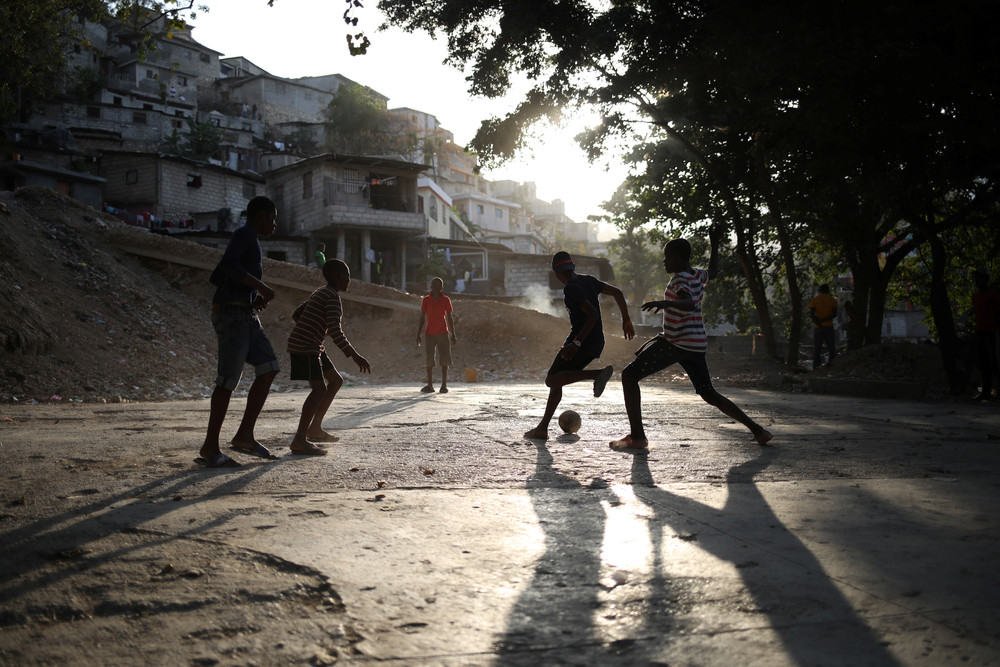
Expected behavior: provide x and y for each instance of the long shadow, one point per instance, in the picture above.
(554, 614)
(832, 624)
(22, 550)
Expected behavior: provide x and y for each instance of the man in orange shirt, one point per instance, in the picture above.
(823, 309)
(437, 323)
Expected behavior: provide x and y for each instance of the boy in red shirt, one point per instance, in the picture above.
(437, 323)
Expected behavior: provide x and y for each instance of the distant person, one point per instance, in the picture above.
(683, 341)
(239, 295)
(316, 318)
(585, 341)
(823, 310)
(439, 326)
(986, 310)
(320, 255)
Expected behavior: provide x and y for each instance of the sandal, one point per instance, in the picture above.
(258, 450)
(220, 460)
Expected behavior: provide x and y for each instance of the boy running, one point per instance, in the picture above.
(436, 321)
(320, 315)
(683, 340)
(585, 341)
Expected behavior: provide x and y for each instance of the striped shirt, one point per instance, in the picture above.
(686, 328)
(319, 316)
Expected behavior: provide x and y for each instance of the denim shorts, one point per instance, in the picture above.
(659, 353)
(241, 341)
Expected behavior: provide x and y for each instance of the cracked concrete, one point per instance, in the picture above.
(433, 534)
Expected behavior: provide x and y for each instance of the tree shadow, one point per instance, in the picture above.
(31, 547)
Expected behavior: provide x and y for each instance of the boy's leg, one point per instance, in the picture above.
(652, 357)
(831, 344)
(217, 415)
(444, 357)
(713, 397)
(256, 397)
(334, 381)
(300, 444)
(429, 344)
(555, 381)
(817, 347)
(444, 379)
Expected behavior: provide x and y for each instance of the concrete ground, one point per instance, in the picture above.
(434, 534)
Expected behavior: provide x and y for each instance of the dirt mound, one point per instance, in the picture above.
(86, 317)
(900, 362)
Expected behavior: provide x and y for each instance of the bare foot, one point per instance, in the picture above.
(538, 433)
(321, 436)
(763, 436)
(628, 442)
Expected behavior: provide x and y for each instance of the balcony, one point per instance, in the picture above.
(363, 217)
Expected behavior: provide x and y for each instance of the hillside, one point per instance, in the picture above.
(84, 319)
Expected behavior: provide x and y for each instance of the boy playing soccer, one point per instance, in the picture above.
(683, 340)
(320, 315)
(586, 337)
(436, 321)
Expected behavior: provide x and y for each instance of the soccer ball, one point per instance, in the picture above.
(569, 421)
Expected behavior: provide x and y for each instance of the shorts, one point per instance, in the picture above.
(310, 367)
(583, 356)
(659, 353)
(441, 343)
(241, 341)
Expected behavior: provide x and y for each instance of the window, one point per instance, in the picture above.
(353, 178)
(179, 113)
(187, 54)
(139, 117)
(479, 209)
(498, 212)
(420, 204)
(150, 74)
(307, 185)
(249, 190)
(177, 124)
(182, 81)
(147, 107)
(117, 101)
(434, 210)
(131, 177)
(93, 112)
(203, 57)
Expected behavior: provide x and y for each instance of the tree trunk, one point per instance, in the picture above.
(944, 320)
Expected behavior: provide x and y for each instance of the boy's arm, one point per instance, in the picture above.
(420, 327)
(619, 298)
(684, 303)
(451, 327)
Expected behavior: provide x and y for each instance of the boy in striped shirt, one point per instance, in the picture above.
(316, 318)
(683, 340)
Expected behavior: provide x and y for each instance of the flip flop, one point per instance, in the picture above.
(258, 450)
(329, 437)
(312, 451)
(220, 460)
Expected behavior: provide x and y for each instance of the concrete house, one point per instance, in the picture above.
(175, 192)
(363, 208)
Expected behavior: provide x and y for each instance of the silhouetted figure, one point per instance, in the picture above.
(823, 310)
(586, 337)
(316, 318)
(683, 341)
(239, 295)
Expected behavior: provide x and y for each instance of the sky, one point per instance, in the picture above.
(296, 38)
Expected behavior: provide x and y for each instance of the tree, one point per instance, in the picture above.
(359, 124)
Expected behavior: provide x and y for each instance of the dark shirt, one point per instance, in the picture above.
(584, 288)
(243, 257)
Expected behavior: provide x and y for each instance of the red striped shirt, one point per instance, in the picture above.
(321, 316)
(686, 328)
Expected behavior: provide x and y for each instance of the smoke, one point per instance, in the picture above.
(539, 297)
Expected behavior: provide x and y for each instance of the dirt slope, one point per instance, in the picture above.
(83, 319)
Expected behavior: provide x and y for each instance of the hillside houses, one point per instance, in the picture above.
(179, 138)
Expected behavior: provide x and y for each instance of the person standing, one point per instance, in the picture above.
(439, 326)
(683, 341)
(823, 309)
(585, 341)
(320, 256)
(986, 310)
(240, 294)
